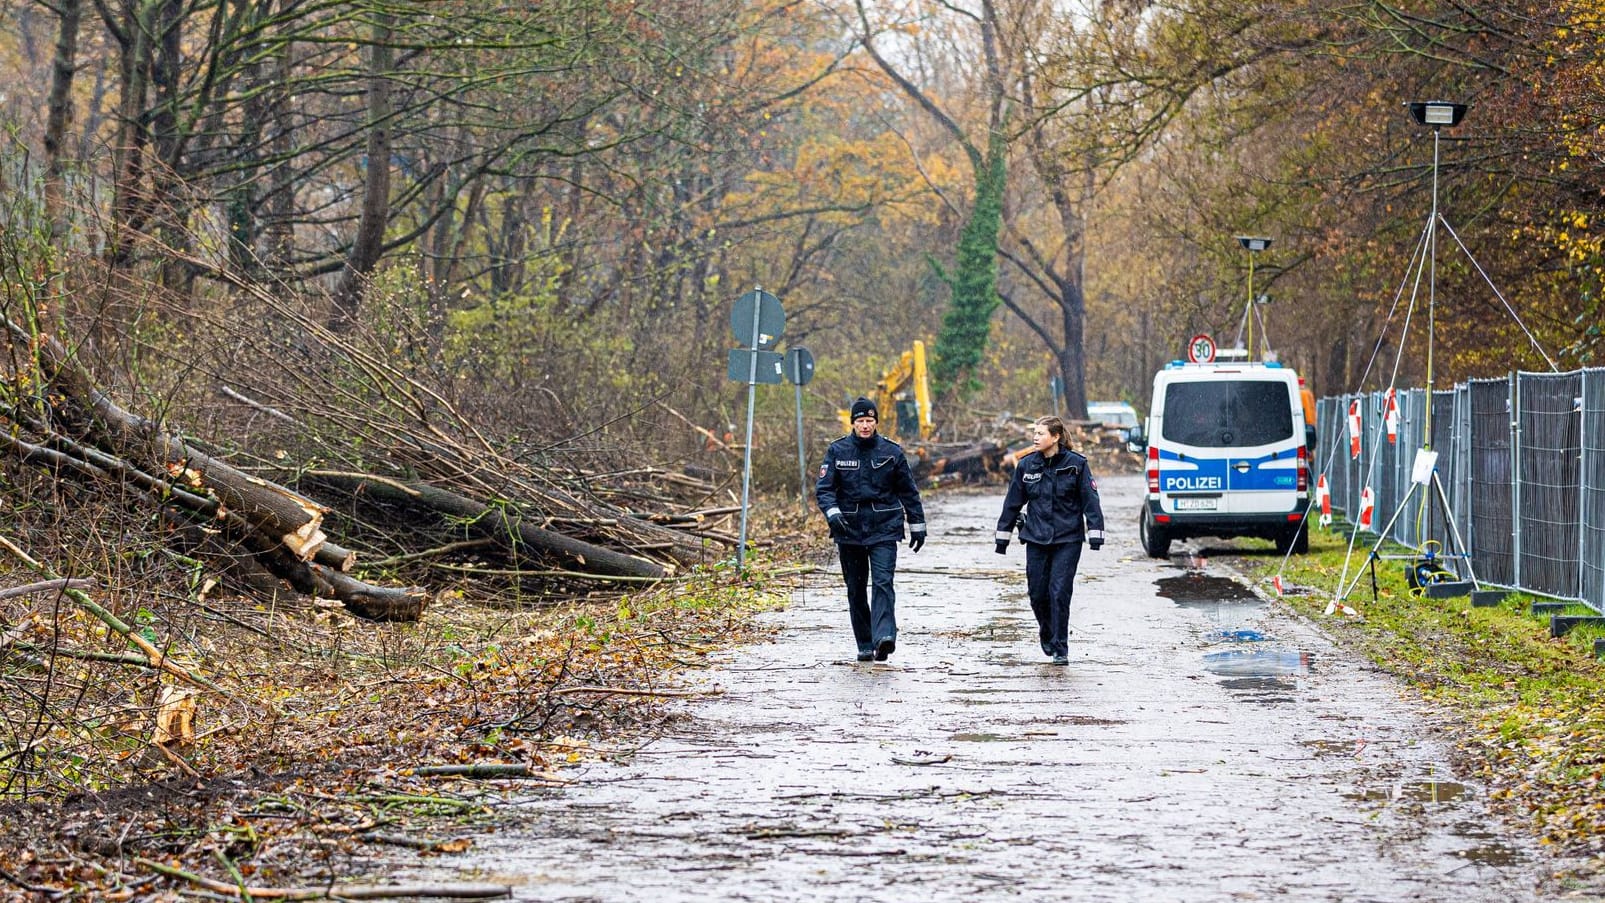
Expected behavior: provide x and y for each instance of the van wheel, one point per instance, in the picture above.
(1154, 540)
(1293, 541)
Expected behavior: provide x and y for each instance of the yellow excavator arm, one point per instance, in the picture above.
(903, 398)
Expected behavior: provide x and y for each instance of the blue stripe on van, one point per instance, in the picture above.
(1274, 472)
(1190, 474)
(1278, 471)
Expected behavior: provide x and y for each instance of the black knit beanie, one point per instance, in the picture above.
(863, 407)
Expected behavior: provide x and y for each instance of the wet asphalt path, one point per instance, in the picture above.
(1172, 760)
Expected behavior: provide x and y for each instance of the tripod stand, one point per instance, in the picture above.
(1424, 469)
(1433, 581)
(1432, 578)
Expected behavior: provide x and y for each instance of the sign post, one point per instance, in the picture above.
(758, 320)
(800, 369)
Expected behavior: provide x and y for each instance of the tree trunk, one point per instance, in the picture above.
(368, 244)
(60, 115)
(508, 528)
(281, 528)
(279, 231)
(293, 520)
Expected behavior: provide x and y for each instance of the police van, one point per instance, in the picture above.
(1229, 448)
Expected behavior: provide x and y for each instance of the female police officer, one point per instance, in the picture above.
(866, 489)
(1055, 487)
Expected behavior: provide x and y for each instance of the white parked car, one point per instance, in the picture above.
(1117, 414)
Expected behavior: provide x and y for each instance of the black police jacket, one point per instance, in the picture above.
(1060, 499)
(869, 483)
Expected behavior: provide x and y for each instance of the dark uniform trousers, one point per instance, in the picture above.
(872, 609)
(1050, 572)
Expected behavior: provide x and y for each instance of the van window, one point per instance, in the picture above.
(1224, 413)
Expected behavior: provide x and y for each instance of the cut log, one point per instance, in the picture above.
(372, 603)
(294, 519)
(332, 556)
(965, 463)
(505, 527)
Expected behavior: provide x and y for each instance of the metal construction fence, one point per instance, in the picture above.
(1517, 496)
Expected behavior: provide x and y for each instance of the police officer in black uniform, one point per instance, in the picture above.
(866, 490)
(1055, 487)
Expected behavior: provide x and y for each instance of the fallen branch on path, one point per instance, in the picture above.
(621, 691)
(487, 770)
(343, 892)
(423, 844)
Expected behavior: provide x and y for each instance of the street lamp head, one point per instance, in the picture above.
(1253, 243)
(1437, 113)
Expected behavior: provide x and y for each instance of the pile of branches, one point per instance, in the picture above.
(343, 475)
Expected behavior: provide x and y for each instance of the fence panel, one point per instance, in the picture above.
(1351, 467)
(1333, 435)
(1435, 527)
(1407, 497)
(1377, 462)
(1492, 547)
(1549, 420)
(1459, 485)
(1591, 494)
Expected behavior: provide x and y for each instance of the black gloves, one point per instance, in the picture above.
(838, 524)
(916, 541)
(1003, 546)
(1095, 544)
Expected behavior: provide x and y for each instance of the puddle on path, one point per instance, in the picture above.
(1490, 850)
(1203, 589)
(1263, 690)
(1239, 635)
(1256, 662)
(1333, 747)
(1418, 792)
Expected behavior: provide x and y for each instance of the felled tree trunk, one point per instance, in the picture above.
(505, 527)
(294, 519)
(966, 463)
(282, 528)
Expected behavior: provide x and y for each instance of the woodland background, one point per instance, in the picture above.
(491, 249)
(573, 192)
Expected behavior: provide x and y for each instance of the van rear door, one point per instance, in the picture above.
(1239, 433)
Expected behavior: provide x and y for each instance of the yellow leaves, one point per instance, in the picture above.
(455, 845)
(572, 749)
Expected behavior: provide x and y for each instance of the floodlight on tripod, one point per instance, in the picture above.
(1435, 114)
(1252, 244)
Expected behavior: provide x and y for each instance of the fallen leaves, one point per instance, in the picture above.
(335, 735)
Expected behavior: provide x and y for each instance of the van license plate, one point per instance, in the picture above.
(1196, 504)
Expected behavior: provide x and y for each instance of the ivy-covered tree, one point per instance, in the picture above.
(973, 280)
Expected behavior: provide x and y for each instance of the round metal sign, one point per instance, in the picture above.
(1201, 349)
(757, 320)
(799, 366)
